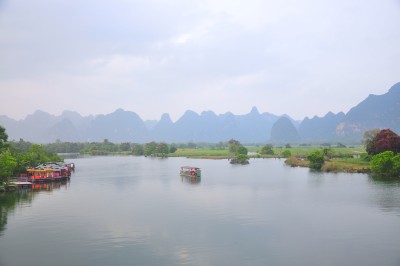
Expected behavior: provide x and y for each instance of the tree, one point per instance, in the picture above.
(328, 152)
(149, 148)
(368, 138)
(267, 149)
(286, 153)
(385, 140)
(3, 138)
(172, 148)
(241, 150)
(316, 159)
(137, 149)
(7, 165)
(386, 164)
(162, 149)
(240, 159)
(125, 146)
(233, 145)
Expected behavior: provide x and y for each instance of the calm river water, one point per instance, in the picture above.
(139, 211)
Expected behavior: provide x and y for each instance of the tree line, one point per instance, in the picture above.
(382, 151)
(15, 158)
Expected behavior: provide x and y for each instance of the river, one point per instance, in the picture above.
(125, 210)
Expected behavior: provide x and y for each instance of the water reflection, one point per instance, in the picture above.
(49, 187)
(136, 210)
(194, 180)
(387, 192)
(10, 201)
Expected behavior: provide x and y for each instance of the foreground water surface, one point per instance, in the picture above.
(139, 211)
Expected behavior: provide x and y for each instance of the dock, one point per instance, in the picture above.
(22, 184)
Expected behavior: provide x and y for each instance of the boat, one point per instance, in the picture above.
(50, 172)
(190, 171)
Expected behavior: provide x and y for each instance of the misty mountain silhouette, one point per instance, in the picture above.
(376, 111)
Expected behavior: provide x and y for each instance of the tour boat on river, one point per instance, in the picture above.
(190, 171)
(50, 172)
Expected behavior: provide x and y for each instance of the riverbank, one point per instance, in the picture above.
(333, 165)
(344, 160)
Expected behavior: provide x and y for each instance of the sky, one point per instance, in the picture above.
(296, 57)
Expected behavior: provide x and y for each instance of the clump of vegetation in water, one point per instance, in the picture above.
(316, 159)
(239, 152)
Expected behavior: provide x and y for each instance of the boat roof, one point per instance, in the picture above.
(192, 167)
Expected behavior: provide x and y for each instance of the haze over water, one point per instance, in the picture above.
(139, 211)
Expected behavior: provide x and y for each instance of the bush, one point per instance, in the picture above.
(286, 153)
(316, 159)
(386, 163)
(267, 149)
(240, 159)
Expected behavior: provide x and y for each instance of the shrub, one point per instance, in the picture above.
(386, 163)
(316, 159)
(267, 149)
(286, 153)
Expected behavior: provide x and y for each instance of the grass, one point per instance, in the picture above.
(342, 158)
(345, 166)
(201, 153)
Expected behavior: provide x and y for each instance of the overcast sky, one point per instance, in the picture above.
(295, 57)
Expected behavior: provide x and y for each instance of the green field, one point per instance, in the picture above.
(201, 153)
(341, 159)
(295, 151)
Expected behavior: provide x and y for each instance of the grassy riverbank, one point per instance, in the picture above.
(341, 159)
(201, 153)
(335, 165)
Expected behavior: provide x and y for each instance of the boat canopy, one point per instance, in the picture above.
(190, 167)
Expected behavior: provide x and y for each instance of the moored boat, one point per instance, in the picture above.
(50, 172)
(190, 171)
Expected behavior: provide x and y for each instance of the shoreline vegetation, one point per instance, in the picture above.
(347, 160)
(341, 159)
(336, 158)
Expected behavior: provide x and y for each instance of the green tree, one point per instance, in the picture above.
(125, 146)
(233, 145)
(241, 150)
(240, 159)
(172, 149)
(7, 165)
(386, 164)
(316, 159)
(3, 138)
(328, 152)
(150, 148)
(137, 149)
(267, 149)
(162, 149)
(286, 153)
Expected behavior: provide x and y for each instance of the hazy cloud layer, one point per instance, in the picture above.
(302, 58)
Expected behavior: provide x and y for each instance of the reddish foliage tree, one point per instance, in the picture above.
(385, 140)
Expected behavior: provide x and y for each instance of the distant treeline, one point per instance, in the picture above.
(106, 147)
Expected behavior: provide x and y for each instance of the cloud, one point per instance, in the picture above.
(297, 57)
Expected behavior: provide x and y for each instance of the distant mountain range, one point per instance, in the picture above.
(376, 111)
